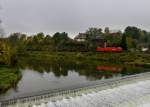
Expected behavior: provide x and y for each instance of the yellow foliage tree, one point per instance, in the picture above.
(5, 56)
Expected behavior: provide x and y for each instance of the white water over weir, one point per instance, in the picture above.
(130, 91)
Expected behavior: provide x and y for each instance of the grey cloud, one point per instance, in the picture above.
(73, 16)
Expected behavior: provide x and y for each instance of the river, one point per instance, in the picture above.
(39, 75)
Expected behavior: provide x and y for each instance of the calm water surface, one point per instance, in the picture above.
(39, 75)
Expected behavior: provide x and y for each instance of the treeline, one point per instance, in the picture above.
(132, 39)
(40, 42)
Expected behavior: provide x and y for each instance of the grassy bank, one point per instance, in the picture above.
(8, 78)
(140, 59)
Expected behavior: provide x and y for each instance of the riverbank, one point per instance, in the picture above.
(8, 77)
(140, 59)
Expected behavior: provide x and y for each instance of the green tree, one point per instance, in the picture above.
(59, 39)
(13, 39)
(93, 32)
(124, 43)
(133, 32)
(106, 30)
(135, 37)
(38, 38)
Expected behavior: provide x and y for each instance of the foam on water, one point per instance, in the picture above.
(131, 95)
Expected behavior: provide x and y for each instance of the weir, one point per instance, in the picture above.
(46, 96)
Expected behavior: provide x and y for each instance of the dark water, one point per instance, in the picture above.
(47, 74)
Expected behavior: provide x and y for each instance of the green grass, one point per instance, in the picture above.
(8, 77)
(125, 57)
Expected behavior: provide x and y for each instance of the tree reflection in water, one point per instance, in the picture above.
(94, 70)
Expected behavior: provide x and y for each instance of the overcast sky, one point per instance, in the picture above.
(72, 16)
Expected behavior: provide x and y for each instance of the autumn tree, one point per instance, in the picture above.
(5, 54)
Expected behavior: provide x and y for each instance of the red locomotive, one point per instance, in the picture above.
(109, 49)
